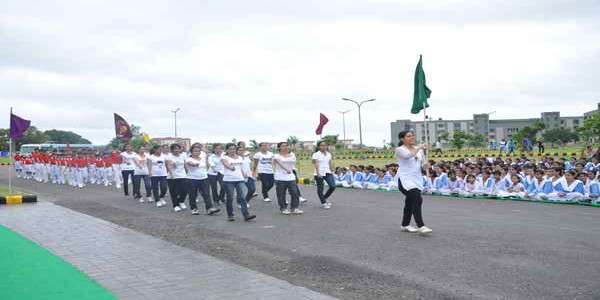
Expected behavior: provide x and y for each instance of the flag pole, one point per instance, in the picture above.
(10, 159)
(425, 159)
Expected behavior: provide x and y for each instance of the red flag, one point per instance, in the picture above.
(122, 129)
(322, 121)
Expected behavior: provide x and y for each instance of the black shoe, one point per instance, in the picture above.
(211, 211)
(250, 217)
(230, 219)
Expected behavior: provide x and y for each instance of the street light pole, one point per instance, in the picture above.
(175, 113)
(359, 116)
(344, 121)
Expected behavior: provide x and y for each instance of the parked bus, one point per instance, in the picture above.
(60, 148)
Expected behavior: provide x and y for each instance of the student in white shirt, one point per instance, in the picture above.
(157, 168)
(197, 166)
(263, 165)
(140, 172)
(177, 178)
(285, 180)
(127, 167)
(250, 179)
(215, 175)
(233, 177)
(323, 162)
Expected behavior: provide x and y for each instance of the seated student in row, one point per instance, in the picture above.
(486, 183)
(370, 179)
(428, 181)
(471, 187)
(592, 192)
(353, 178)
(440, 183)
(498, 184)
(539, 188)
(568, 190)
(381, 180)
(455, 183)
(593, 166)
(516, 189)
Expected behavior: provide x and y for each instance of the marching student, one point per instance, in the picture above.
(568, 190)
(99, 163)
(177, 177)
(263, 165)
(108, 169)
(285, 180)
(157, 168)
(82, 170)
(91, 164)
(215, 175)
(249, 178)
(197, 166)
(18, 164)
(127, 167)
(233, 178)
(117, 160)
(323, 163)
(141, 173)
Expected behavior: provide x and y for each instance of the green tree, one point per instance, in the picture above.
(459, 138)
(32, 136)
(253, 144)
(292, 140)
(65, 137)
(560, 135)
(4, 139)
(444, 136)
(591, 128)
(476, 140)
(331, 139)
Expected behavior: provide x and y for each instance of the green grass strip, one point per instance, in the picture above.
(28, 271)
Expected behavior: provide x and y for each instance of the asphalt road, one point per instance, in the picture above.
(480, 249)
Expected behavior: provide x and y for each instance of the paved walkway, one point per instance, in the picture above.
(136, 266)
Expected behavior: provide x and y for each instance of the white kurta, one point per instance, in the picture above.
(409, 168)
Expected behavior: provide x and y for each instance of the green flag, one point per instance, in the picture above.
(422, 92)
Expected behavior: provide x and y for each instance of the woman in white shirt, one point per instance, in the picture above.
(285, 179)
(177, 177)
(410, 180)
(197, 165)
(249, 178)
(127, 167)
(215, 175)
(140, 172)
(158, 175)
(323, 162)
(233, 177)
(263, 165)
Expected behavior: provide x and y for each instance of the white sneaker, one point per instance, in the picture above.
(286, 212)
(327, 205)
(182, 205)
(163, 202)
(159, 204)
(150, 199)
(408, 228)
(141, 200)
(176, 209)
(302, 200)
(267, 200)
(297, 212)
(425, 230)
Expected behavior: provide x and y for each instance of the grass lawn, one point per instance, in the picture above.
(4, 160)
(5, 192)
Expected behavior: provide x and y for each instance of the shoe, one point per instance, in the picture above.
(408, 229)
(230, 219)
(159, 204)
(267, 200)
(176, 209)
(424, 230)
(297, 212)
(287, 201)
(327, 205)
(141, 200)
(150, 199)
(211, 211)
(163, 202)
(197, 200)
(302, 200)
(254, 195)
(285, 211)
(182, 205)
(247, 205)
(195, 211)
(250, 217)
(217, 203)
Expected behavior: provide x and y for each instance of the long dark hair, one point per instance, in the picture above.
(155, 149)
(401, 135)
(319, 145)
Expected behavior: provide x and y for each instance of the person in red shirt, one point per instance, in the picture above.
(99, 166)
(82, 170)
(18, 164)
(28, 167)
(91, 161)
(108, 169)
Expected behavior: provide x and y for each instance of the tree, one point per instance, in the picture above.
(65, 137)
(444, 136)
(4, 139)
(476, 140)
(253, 144)
(560, 135)
(32, 136)
(459, 138)
(591, 128)
(292, 140)
(331, 139)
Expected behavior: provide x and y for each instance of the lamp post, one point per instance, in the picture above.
(344, 121)
(359, 104)
(175, 114)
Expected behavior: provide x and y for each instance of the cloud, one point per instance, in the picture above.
(266, 69)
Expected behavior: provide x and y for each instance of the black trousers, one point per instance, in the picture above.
(281, 186)
(158, 183)
(321, 185)
(296, 174)
(202, 186)
(266, 183)
(217, 188)
(137, 185)
(412, 205)
(126, 174)
(251, 186)
(177, 190)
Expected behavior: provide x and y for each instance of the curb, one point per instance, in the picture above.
(5, 164)
(18, 199)
(303, 180)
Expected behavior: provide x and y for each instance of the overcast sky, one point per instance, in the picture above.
(265, 69)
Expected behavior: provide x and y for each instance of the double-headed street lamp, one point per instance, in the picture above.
(359, 104)
(175, 113)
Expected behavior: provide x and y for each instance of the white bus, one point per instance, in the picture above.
(61, 148)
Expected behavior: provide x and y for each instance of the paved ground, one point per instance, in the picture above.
(480, 249)
(136, 266)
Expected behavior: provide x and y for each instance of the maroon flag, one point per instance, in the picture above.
(122, 129)
(18, 126)
(322, 121)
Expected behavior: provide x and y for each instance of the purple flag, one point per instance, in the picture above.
(18, 126)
